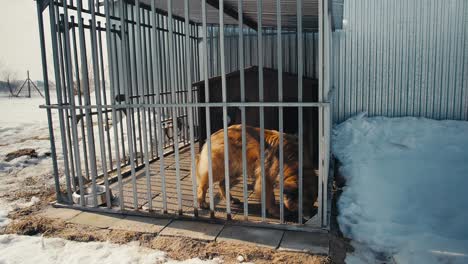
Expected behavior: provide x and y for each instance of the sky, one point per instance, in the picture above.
(19, 38)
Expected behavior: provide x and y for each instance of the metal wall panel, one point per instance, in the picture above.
(289, 50)
(402, 58)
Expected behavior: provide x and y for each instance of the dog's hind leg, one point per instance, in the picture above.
(202, 182)
(201, 192)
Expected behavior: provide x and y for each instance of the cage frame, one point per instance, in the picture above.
(62, 44)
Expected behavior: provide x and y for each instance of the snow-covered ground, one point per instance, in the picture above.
(22, 125)
(38, 250)
(406, 189)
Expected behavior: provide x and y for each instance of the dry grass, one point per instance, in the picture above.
(176, 247)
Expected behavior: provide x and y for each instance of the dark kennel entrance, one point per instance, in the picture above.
(271, 118)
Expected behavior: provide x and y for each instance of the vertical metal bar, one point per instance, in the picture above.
(152, 83)
(104, 95)
(139, 70)
(225, 115)
(67, 160)
(320, 97)
(171, 84)
(163, 72)
(97, 92)
(279, 54)
(260, 98)
(89, 123)
(326, 115)
(45, 76)
(207, 99)
(80, 101)
(63, 53)
(188, 63)
(146, 49)
(156, 72)
(125, 65)
(54, 31)
(179, 72)
(117, 85)
(72, 101)
(134, 89)
(211, 53)
(300, 66)
(112, 64)
(242, 91)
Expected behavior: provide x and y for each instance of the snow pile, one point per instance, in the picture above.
(406, 188)
(55, 250)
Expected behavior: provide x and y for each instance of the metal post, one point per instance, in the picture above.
(171, 85)
(112, 64)
(68, 157)
(29, 86)
(156, 72)
(89, 123)
(280, 113)
(97, 91)
(260, 98)
(242, 91)
(104, 94)
(125, 65)
(143, 100)
(300, 66)
(47, 100)
(117, 85)
(207, 109)
(54, 31)
(74, 129)
(320, 98)
(225, 115)
(188, 64)
(80, 102)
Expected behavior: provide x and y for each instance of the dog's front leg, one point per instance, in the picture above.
(269, 195)
(270, 201)
(222, 192)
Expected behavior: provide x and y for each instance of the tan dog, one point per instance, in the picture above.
(254, 169)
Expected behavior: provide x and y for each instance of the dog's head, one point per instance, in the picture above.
(310, 189)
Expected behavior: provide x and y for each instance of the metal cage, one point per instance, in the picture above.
(140, 84)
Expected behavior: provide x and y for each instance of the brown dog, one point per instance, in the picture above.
(253, 167)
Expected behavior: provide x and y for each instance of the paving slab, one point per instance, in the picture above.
(140, 224)
(259, 236)
(59, 213)
(95, 219)
(315, 243)
(192, 229)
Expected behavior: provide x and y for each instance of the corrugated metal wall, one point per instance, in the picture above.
(402, 58)
(289, 46)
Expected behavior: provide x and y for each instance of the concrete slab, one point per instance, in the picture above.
(140, 224)
(315, 243)
(258, 236)
(59, 213)
(192, 229)
(95, 219)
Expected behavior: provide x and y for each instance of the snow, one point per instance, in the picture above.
(22, 125)
(39, 250)
(406, 188)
